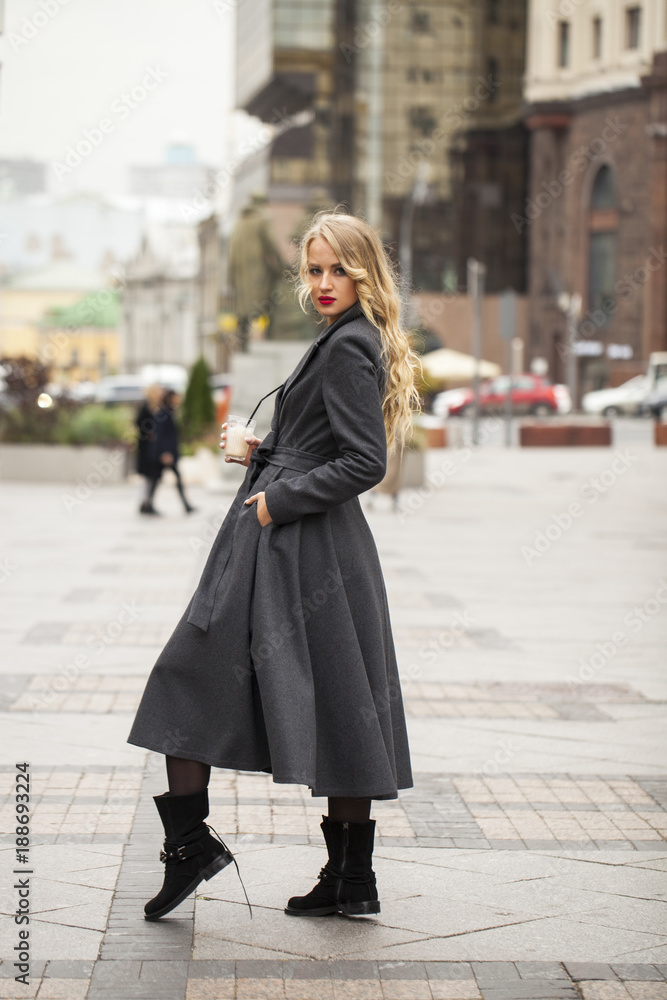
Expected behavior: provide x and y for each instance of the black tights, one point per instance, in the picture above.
(189, 776)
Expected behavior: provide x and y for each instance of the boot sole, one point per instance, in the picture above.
(204, 874)
(346, 909)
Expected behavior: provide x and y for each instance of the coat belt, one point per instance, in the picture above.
(299, 461)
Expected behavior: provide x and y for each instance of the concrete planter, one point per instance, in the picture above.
(660, 434)
(554, 435)
(406, 472)
(55, 463)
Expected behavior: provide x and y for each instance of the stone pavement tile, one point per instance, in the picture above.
(603, 990)
(309, 989)
(449, 970)
(454, 989)
(72, 969)
(63, 989)
(589, 970)
(7, 970)
(637, 972)
(540, 970)
(490, 973)
(342, 969)
(211, 989)
(357, 989)
(402, 970)
(10, 989)
(642, 990)
(534, 989)
(404, 989)
(113, 977)
(260, 969)
(305, 970)
(259, 989)
(211, 969)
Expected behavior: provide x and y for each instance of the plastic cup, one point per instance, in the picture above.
(238, 429)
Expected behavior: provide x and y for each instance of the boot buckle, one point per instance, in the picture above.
(180, 853)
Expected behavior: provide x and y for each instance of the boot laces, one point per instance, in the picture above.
(213, 830)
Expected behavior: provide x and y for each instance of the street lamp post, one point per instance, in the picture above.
(570, 306)
(476, 275)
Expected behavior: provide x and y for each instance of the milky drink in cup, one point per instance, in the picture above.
(237, 431)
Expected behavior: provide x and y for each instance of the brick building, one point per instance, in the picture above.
(596, 212)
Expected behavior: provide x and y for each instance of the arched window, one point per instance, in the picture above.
(602, 230)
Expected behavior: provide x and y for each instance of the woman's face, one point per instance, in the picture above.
(331, 290)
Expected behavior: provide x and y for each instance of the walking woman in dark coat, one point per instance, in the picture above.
(148, 446)
(284, 660)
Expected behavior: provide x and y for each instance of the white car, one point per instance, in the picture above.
(443, 401)
(625, 399)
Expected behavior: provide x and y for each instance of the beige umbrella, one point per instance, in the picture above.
(445, 365)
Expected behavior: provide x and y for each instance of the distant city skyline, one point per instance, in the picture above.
(94, 89)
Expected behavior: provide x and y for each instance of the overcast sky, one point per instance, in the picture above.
(81, 64)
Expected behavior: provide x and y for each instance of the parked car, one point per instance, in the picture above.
(532, 394)
(655, 403)
(120, 389)
(624, 399)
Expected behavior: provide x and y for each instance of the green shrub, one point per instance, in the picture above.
(198, 412)
(100, 425)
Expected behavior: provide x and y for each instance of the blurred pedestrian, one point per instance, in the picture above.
(284, 660)
(148, 456)
(168, 442)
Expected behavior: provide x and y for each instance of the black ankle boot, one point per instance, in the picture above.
(347, 882)
(357, 891)
(190, 853)
(321, 900)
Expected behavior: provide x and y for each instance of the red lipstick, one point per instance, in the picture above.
(326, 299)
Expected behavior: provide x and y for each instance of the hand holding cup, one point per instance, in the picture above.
(238, 441)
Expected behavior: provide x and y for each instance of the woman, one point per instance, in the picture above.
(148, 449)
(284, 660)
(168, 442)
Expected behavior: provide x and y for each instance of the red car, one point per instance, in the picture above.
(530, 394)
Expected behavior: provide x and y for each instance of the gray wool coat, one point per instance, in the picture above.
(284, 659)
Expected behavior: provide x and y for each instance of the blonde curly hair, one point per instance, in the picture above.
(364, 258)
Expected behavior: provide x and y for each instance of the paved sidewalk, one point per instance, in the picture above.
(530, 859)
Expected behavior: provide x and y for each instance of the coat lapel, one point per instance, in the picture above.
(352, 313)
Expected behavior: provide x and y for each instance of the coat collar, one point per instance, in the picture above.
(352, 313)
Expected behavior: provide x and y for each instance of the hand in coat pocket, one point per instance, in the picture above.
(263, 515)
